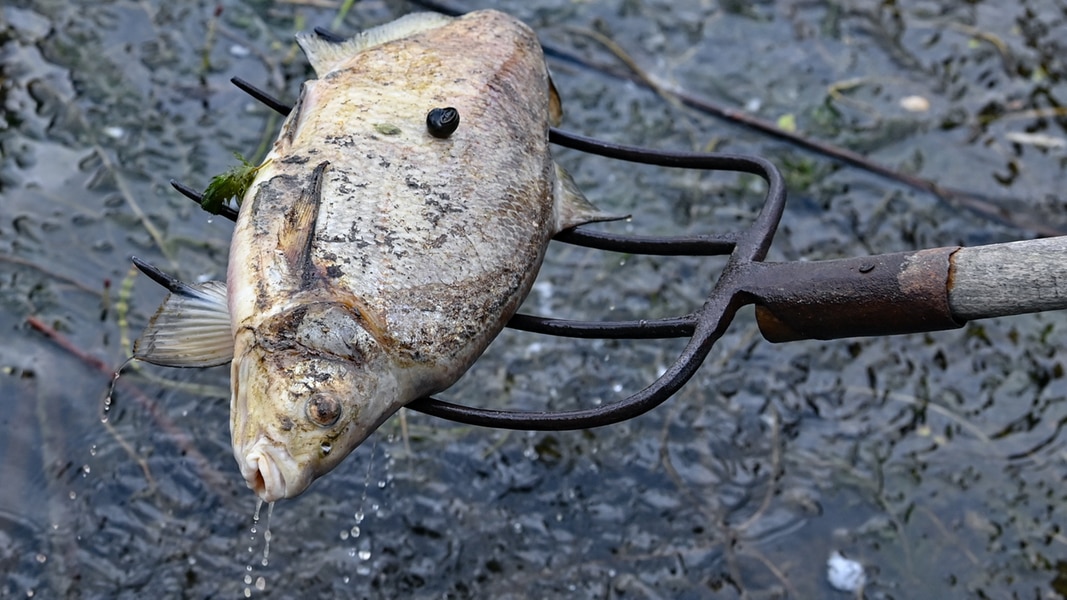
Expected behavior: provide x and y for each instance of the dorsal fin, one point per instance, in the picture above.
(326, 56)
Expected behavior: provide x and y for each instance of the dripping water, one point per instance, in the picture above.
(260, 583)
(361, 547)
(106, 410)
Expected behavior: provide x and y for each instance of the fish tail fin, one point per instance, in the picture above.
(326, 55)
(573, 208)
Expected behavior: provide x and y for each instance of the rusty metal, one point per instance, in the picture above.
(888, 294)
(877, 295)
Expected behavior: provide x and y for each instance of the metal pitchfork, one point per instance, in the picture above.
(904, 292)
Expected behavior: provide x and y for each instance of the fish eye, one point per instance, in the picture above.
(442, 122)
(323, 410)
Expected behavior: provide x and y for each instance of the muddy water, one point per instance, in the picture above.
(934, 460)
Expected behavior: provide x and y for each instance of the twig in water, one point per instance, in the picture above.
(128, 197)
(52, 274)
(209, 39)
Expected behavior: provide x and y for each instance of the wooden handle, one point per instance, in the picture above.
(1008, 279)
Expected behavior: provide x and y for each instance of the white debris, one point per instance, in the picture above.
(844, 574)
(239, 51)
(1040, 140)
(915, 104)
(114, 133)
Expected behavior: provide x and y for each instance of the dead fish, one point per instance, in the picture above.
(378, 251)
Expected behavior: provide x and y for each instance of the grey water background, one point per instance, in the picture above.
(935, 460)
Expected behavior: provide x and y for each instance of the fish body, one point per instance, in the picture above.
(374, 257)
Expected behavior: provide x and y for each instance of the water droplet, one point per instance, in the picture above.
(41, 558)
(364, 554)
(73, 495)
(358, 516)
(92, 450)
(266, 534)
(86, 470)
(248, 579)
(351, 551)
(355, 531)
(344, 535)
(362, 570)
(381, 484)
(345, 579)
(248, 592)
(261, 583)
(111, 389)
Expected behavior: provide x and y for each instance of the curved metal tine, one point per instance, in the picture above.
(672, 327)
(711, 322)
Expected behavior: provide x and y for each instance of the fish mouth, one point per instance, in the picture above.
(271, 472)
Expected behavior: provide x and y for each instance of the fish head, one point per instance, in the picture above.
(309, 386)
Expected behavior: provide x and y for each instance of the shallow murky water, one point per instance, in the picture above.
(935, 460)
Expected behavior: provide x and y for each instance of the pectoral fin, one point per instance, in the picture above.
(555, 106)
(298, 235)
(191, 327)
(572, 207)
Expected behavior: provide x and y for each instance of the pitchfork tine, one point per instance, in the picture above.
(172, 284)
(270, 101)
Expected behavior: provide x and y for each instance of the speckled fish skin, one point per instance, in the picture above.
(372, 263)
